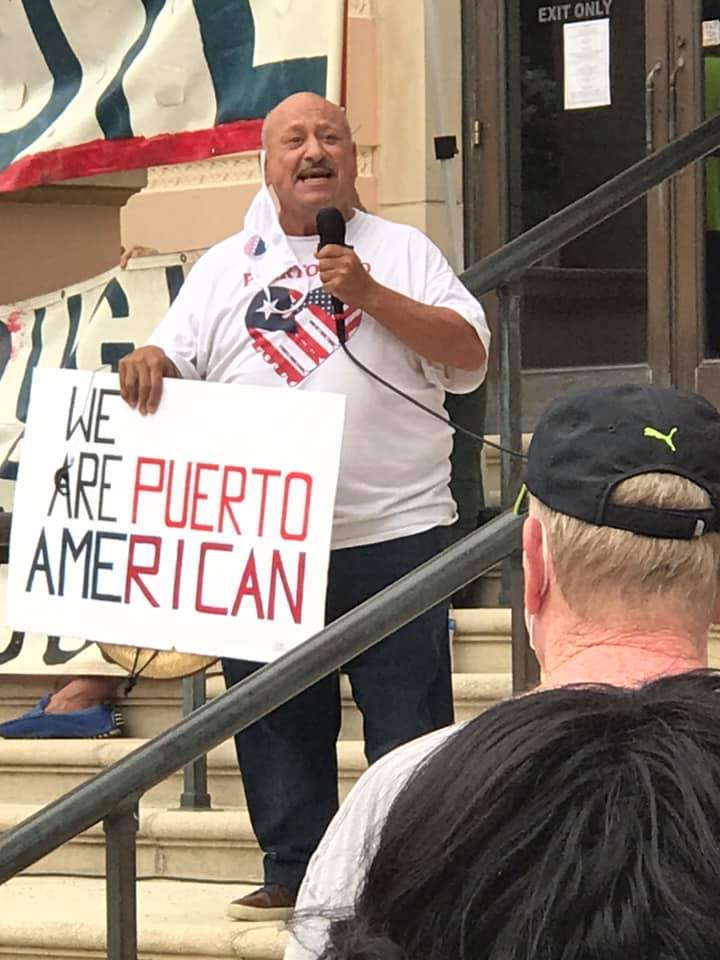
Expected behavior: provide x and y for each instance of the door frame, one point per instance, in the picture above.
(659, 200)
(692, 371)
(484, 151)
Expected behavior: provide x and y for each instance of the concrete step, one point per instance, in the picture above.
(208, 845)
(204, 845)
(482, 641)
(63, 918)
(36, 771)
(490, 464)
(481, 645)
(155, 705)
(484, 592)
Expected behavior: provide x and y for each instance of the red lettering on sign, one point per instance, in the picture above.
(169, 522)
(141, 486)
(294, 601)
(249, 587)
(197, 496)
(199, 605)
(265, 474)
(306, 480)
(178, 573)
(135, 570)
(226, 499)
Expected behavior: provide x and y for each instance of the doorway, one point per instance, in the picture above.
(582, 91)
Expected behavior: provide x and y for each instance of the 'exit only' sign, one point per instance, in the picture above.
(581, 10)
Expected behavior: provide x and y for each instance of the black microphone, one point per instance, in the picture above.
(331, 229)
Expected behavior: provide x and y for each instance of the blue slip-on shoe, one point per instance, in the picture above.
(36, 724)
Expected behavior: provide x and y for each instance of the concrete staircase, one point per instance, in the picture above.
(190, 864)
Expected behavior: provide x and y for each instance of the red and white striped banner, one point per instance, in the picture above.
(89, 87)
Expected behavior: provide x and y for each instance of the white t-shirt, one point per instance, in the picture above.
(394, 469)
(337, 869)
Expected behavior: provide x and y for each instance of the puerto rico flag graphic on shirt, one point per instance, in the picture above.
(295, 341)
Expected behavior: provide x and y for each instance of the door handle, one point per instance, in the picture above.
(672, 125)
(650, 107)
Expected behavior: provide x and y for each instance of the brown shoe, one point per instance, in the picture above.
(273, 902)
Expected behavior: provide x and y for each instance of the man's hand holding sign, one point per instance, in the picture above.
(141, 377)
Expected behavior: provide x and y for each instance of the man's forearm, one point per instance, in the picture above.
(437, 333)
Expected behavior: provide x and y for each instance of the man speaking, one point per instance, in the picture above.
(258, 309)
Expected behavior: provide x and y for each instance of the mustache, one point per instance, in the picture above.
(316, 168)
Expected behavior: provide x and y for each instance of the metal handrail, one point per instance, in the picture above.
(123, 783)
(120, 786)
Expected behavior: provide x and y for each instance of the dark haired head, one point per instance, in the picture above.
(581, 823)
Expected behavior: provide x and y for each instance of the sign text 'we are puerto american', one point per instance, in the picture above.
(204, 527)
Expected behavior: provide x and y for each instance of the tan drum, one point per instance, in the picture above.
(155, 664)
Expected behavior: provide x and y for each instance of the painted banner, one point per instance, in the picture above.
(90, 326)
(204, 528)
(89, 87)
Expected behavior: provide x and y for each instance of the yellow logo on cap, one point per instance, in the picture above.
(664, 437)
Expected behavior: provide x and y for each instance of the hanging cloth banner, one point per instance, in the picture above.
(89, 88)
(89, 326)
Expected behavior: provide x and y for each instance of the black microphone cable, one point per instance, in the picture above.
(331, 230)
(433, 413)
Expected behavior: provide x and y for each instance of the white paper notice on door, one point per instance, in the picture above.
(711, 33)
(586, 47)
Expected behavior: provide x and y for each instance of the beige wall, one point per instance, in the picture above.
(411, 184)
(45, 246)
(449, 56)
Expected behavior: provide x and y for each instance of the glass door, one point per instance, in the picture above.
(584, 89)
(595, 80)
(697, 204)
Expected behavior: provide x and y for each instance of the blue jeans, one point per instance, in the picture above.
(402, 687)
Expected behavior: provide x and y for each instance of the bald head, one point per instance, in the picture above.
(298, 105)
(311, 160)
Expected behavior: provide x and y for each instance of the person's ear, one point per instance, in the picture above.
(535, 564)
(266, 170)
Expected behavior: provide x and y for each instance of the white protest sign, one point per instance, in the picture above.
(203, 528)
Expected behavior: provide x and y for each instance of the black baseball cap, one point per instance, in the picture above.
(589, 441)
